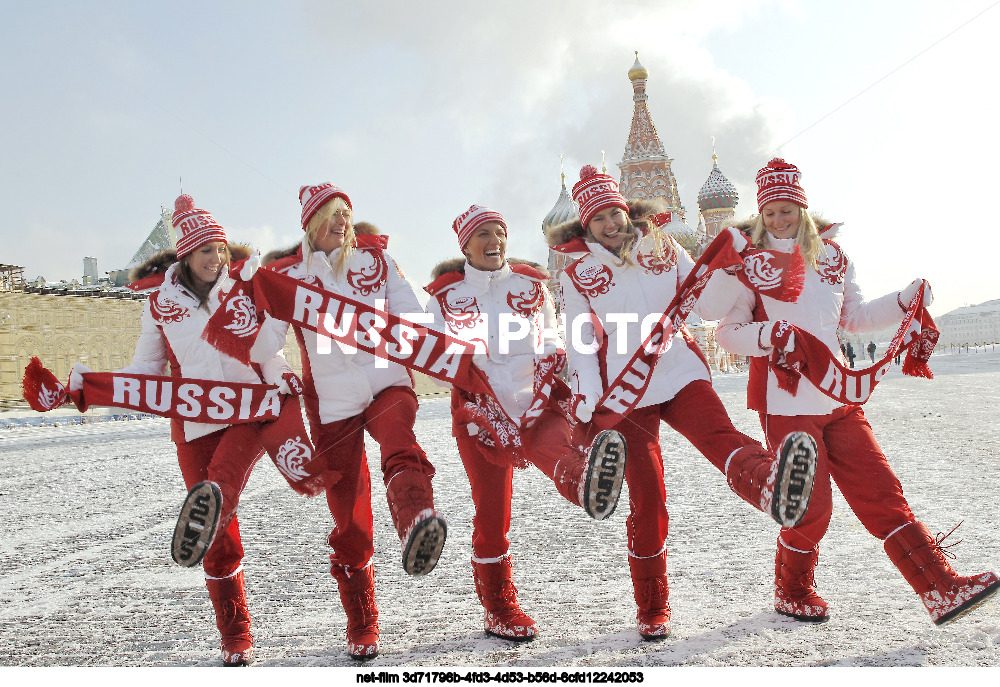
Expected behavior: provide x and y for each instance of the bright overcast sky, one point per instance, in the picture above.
(420, 109)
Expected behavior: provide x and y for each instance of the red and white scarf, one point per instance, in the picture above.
(180, 398)
(414, 346)
(780, 276)
(810, 358)
(775, 274)
(196, 400)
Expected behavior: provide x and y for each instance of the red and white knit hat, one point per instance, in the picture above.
(194, 227)
(779, 180)
(595, 192)
(313, 198)
(472, 219)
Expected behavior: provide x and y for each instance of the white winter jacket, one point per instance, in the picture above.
(509, 315)
(830, 299)
(626, 300)
(341, 381)
(172, 324)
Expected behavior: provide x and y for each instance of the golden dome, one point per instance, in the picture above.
(637, 71)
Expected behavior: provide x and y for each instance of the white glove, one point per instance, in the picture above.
(76, 376)
(585, 409)
(907, 294)
(250, 267)
(289, 384)
(472, 429)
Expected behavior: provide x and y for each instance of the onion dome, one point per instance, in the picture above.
(717, 192)
(563, 211)
(637, 71)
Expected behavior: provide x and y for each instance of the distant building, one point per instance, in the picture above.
(163, 237)
(90, 274)
(971, 324)
(11, 277)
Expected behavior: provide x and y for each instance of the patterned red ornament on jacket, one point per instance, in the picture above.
(657, 264)
(833, 269)
(526, 303)
(593, 280)
(166, 310)
(242, 315)
(370, 277)
(462, 313)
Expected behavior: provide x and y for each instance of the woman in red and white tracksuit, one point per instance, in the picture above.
(626, 273)
(215, 460)
(507, 312)
(848, 451)
(348, 392)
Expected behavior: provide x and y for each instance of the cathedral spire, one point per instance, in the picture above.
(645, 167)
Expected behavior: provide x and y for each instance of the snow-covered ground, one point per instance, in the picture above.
(86, 577)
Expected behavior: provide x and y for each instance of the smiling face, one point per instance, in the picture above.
(609, 227)
(330, 225)
(205, 263)
(781, 219)
(487, 247)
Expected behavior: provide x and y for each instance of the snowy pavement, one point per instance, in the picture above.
(86, 577)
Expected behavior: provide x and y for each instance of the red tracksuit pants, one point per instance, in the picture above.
(225, 457)
(850, 455)
(546, 443)
(389, 421)
(697, 413)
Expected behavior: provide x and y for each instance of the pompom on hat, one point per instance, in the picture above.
(595, 192)
(312, 199)
(194, 227)
(779, 180)
(472, 219)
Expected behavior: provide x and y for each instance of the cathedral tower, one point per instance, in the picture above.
(717, 200)
(645, 167)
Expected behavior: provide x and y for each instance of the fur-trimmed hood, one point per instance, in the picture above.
(458, 265)
(160, 262)
(638, 208)
(827, 229)
(360, 229)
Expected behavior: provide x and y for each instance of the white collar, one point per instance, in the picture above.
(481, 280)
(781, 245)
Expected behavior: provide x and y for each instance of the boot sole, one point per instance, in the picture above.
(196, 525)
(423, 548)
(363, 657)
(804, 618)
(793, 483)
(508, 638)
(971, 605)
(605, 474)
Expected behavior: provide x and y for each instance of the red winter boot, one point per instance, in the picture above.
(794, 585)
(197, 524)
(921, 559)
(232, 618)
(422, 530)
(777, 485)
(357, 594)
(649, 582)
(504, 618)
